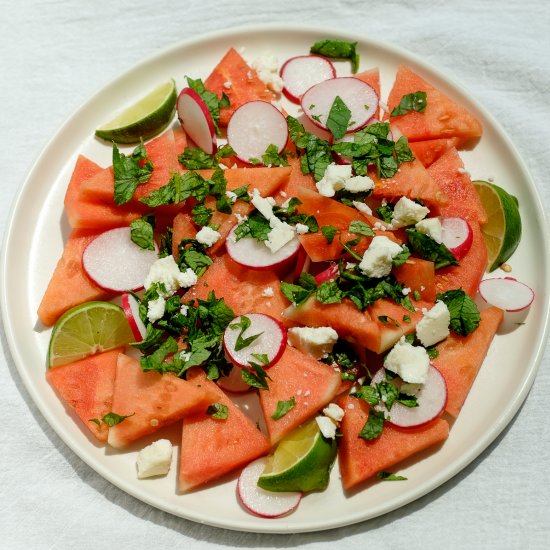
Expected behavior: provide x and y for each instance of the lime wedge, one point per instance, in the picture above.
(149, 116)
(502, 232)
(86, 329)
(301, 462)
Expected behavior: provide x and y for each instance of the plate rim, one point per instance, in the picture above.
(280, 527)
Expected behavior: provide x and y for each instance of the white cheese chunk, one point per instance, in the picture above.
(316, 341)
(407, 212)
(267, 68)
(155, 309)
(432, 228)
(340, 176)
(155, 459)
(410, 362)
(377, 259)
(301, 229)
(327, 426)
(280, 234)
(362, 207)
(358, 184)
(261, 204)
(165, 271)
(434, 326)
(207, 236)
(334, 412)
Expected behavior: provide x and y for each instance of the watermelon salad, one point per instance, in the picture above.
(324, 260)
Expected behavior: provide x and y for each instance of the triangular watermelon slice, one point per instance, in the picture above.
(443, 117)
(69, 284)
(213, 447)
(153, 400)
(361, 460)
(86, 386)
(312, 384)
(428, 151)
(461, 357)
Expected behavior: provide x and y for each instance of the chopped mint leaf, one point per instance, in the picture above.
(430, 250)
(374, 426)
(385, 212)
(402, 257)
(329, 293)
(155, 361)
(465, 316)
(272, 157)
(283, 407)
(386, 320)
(338, 118)
(197, 159)
(129, 172)
(415, 101)
(417, 295)
(219, 411)
(407, 400)
(388, 476)
(388, 393)
(141, 232)
(433, 352)
(368, 394)
(406, 318)
(359, 227)
(329, 232)
(403, 151)
(255, 226)
(243, 325)
(201, 214)
(338, 49)
(165, 243)
(257, 378)
(111, 419)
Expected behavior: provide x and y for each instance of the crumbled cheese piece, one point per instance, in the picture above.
(155, 309)
(407, 212)
(184, 309)
(281, 233)
(410, 362)
(267, 68)
(227, 84)
(358, 184)
(185, 355)
(207, 236)
(301, 229)
(327, 426)
(283, 194)
(350, 265)
(406, 291)
(231, 196)
(165, 271)
(339, 176)
(155, 459)
(240, 218)
(432, 228)
(377, 259)
(267, 292)
(362, 207)
(334, 411)
(264, 206)
(434, 326)
(379, 226)
(317, 341)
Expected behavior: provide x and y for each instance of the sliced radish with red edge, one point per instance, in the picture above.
(255, 126)
(359, 97)
(271, 342)
(300, 73)
(328, 274)
(233, 382)
(266, 504)
(431, 398)
(506, 293)
(130, 306)
(457, 236)
(254, 254)
(302, 264)
(115, 263)
(197, 120)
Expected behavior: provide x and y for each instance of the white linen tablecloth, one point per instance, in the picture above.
(54, 55)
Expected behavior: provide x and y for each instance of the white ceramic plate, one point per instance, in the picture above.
(38, 228)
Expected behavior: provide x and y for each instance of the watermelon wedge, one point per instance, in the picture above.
(427, 152)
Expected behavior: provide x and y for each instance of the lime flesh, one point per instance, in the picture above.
(146, 118)
(87, 329)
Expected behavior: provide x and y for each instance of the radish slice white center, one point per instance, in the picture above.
(116, 263)
(506, 293)
(255, 126)
(457, 236)
(266, 504)
(254, 254)
(359, 97)
(130, 307)
(302, 72)
(197, 120)
(271, 340)
(431, 397)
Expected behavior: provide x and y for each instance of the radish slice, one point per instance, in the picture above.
(457, 236)
(271, 342)
(116, 263)
(432, 398)
(302, 264)
(233, 382)
(254, 254)
(300, 73)
(359, 97)
(197, 120)
(130, 307)
(506, 293)
(255, 126)
(330, 273)
(266, 504)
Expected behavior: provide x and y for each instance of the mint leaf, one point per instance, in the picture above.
(388, 393)
(430, 250)
(388, 476)
(155, 361)
(374, 426)
(329, 293)
(219, 411)
(271, 157)
(403, 151)
(338, 49)
(201, 214)
(141, 232)
(415, 101)
(129, 172)
(329, 232)
(257, 378)
(338, 118)
(361, 228)
(111, 419)
(197, 159)
(243, 325)
(368, 394)
(283, 407)
(465, 316)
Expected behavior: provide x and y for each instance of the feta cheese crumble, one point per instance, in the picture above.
(155, 459)
(267, 68)
(407, 212)
(155, 309)
(377, 259)
(434, 326)
(362, 207)
(410, 362)
(334, 411)
(207, 236)
(432, 228)
(327, 426)
(317, 341)
(165, 271)
(301, 229)
(339, 176)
